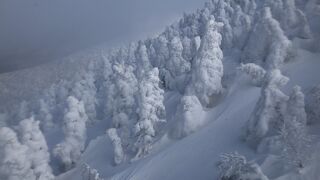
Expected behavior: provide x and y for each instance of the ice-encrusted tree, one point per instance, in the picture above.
(142, 60)
(74, 129)
(207, 65)
(293, 132)
(292, 20)
(123, 90)
(188, 115)
(296, 106)
(45, 115)
(161, 51)
(269, 110)
(267, 45)
(31, 136)
(14, 162)
(296, 143)
(85, 90)
(313, 105)
(151, 112)
(177, 65)
(255, 72)
(89, 173)
(233, 166)
(119, 155)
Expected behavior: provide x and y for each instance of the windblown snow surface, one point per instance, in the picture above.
(221, 125)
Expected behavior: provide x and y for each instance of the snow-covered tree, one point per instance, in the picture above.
(14, 162)
(151, 112)
(296, 143)
(296, 106)
(207, 66)
(143, 62)
(74, 128)
(160, 45)
(267, 45)
(38, 155)
(85, 90)
(189, 116)
(241, 26)
(45, 115)
(293, 132)
(123, 90)
(177, 65)
(269, 110)
(234, 166)
(89, 173)
(313, 105)
(293, 21)
(255, 72)
(117, 146)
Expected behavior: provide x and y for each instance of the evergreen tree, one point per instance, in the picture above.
(14, 162)
(234, 166)
(74, 128)
(45, 115)
(207, 66)
(85, 90)
(296, 143)
(38, 155)
(123, 90)
(117, 146)
(151, 112)
(313, 105)
(189, 116)
(273, 47)
(269, 110)
(256, 73)
(89, 173)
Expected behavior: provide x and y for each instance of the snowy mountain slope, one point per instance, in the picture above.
(181, 159)
(170, 106)
(196, 156)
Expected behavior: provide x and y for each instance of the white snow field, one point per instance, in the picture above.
(230, 92)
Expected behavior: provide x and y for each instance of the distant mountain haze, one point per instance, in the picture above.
(38, 31)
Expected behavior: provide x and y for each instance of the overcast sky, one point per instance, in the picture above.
(37, 31)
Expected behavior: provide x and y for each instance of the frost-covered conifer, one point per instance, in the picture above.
(89, 173)
(292, 20)
(268, 113)
(177, 65)
(296, 143)
(14, 162)
(45, 115)
(85, 91)
(74, 129)
(267, 45)
(255, 72)
(234, 166)
(38, 155)
(296, 106)
(313, 105)
(123, 90)
(117, 146)
(143, 62)
(207, 66)
(151, 112)
(189, 116)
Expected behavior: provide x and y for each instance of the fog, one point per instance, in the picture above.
(33, 32)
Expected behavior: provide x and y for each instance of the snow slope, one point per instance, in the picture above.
(196, 156)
